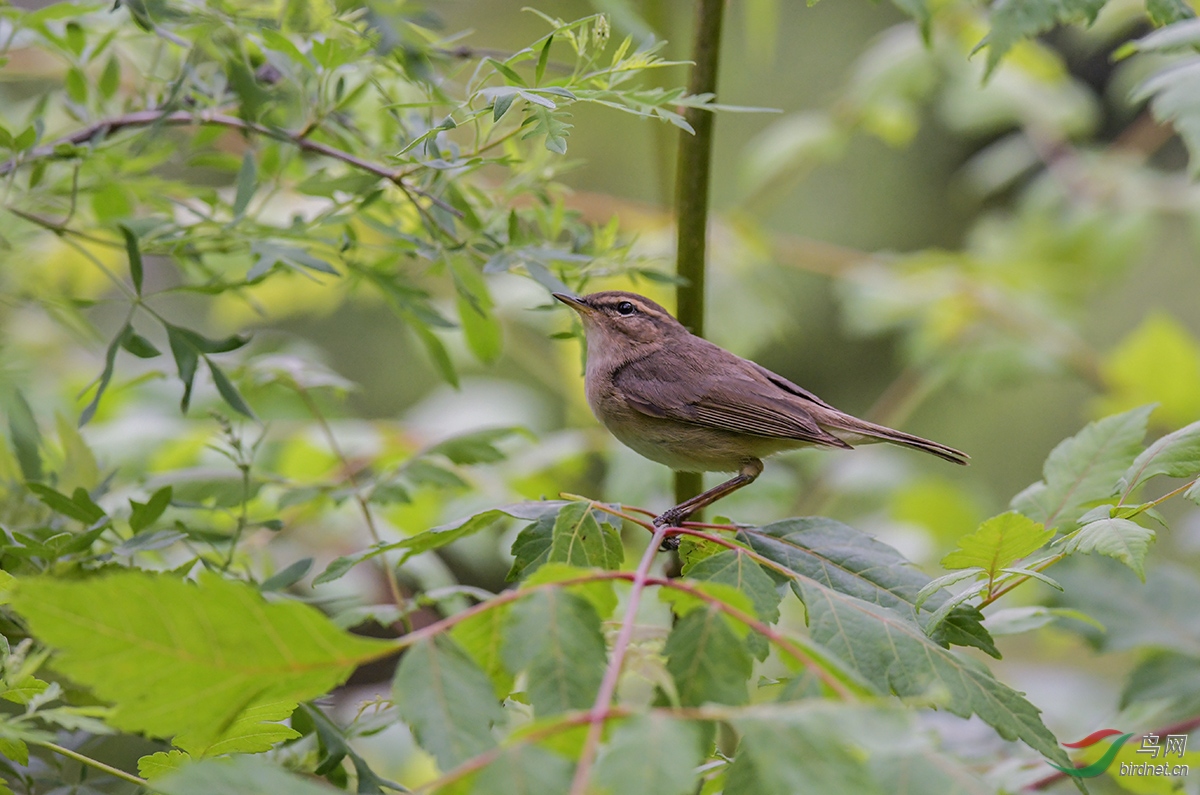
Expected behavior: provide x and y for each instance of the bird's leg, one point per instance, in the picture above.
(674, 517)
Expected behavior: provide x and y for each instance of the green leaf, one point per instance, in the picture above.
(1175, 455)
(436, 350)
(135, 259)
(139, 346)
(287, 577)
(215, 649)
(228, 391)
(110, 78)
(998, 543)
(551, 124)
(1085, 469)
(600, 593)
(477, 447)
(555, 637)
(76, 84)
(1122, 539)
(501, 104)
(525, 770)
(76, 38)
(531, 547)
(1159, 361)
(651, 754)
(25, 435)
(240, 775)
(1017, 620)
(744, 574)
(1167, 678)
(580, 540)
(1014, 20)
(543, 57)
(146, 514)
(707, 659)
(447, 701)
(509, 74)
(187, 346)
(796, 757)
(848, 560)
(110, 358)
(256, 729)
(156, 765)
(78, 506)
(1165, 12)
(482, 637)
(1161, 613)
(896, 656)
(247, 184)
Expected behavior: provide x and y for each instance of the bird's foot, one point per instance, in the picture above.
(670, 518)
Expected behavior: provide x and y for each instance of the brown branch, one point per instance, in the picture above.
(181, 118)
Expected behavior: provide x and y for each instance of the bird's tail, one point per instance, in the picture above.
(852, 429)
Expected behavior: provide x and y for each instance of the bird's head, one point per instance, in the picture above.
(615, 319)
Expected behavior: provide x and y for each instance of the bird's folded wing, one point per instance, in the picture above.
(738, 405)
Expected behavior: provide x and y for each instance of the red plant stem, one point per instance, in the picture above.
(612, 674)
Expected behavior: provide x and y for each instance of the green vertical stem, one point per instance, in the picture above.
(692, 176)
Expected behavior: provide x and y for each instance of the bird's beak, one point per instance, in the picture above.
(573, 302)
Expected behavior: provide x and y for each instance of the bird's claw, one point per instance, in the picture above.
(671, 518)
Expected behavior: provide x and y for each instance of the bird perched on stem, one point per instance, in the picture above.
(680, 400)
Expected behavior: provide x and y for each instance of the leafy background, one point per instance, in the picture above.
(293, 430)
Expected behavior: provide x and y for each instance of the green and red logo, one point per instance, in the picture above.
(1104, 762)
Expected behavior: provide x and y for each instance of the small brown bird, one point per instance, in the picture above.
(678, 399)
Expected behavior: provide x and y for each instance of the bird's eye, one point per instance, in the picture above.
(625, 308)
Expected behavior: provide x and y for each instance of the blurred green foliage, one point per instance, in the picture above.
(277, 375)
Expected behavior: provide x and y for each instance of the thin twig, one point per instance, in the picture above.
(364, 507)
(612, 673)
(147, 118)
(96, 763)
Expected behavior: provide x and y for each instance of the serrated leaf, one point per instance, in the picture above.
(555, 637)
(744, 574)
(482, 637)
(1084, 469)
(896, 656)
(600, 593)
(175, 657)
(1122, 539)
(1175, 455)
(257, 729)
(578, 539)
(447, 700)
(650, 754)
(840, 557)
(525, 770)
(1015, 20)
(154, 766)
(531, 547)
(796, 758)
(998, 543)
(707, 659)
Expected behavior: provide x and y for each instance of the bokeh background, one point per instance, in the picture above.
(990, 263)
